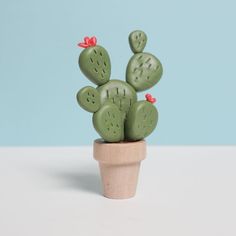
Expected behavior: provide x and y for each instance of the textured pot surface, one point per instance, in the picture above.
(119, 166)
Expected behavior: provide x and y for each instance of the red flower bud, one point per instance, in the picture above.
(149, 98)
(88, 42)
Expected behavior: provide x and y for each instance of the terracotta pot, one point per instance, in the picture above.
(119, 166)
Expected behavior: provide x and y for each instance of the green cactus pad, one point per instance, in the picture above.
(137, 41)
(143, 71)
(120, 93)
(89, 99)
(141, 120)
(108, 123)
(95, 63)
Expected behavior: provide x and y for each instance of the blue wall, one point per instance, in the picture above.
(39, 75)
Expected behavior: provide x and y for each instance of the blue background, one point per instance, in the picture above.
(39, 74)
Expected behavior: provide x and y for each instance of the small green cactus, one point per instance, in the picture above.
(141, 120)
(117, 115)
(120, 93)
(89, 98)
(137, 41)
(143, 71)
(95, 63)
(108, 122)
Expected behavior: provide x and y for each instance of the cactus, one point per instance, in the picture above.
(89, 99)
(143, 71)
(117, 115)
(108, 122)
(120, 93)
(137, 41)
(141, 120)
(95, 63)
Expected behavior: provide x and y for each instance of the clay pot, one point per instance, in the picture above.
(119, 166)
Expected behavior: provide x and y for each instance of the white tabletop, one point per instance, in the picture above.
(57, 191)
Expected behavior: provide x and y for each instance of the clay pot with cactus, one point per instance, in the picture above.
(122, 122)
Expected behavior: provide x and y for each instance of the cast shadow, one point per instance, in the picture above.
(88, 182)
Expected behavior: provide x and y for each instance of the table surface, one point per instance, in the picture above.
(182, 190)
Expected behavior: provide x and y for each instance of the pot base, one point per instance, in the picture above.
(119, 181)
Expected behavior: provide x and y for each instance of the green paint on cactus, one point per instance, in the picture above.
(117, 114)
(108, 123)
(143, 71)
(120, 93)
(95, 63)
(137, 41)
(141, 120)
(89, 99)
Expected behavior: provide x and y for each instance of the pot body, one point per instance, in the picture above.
(119, 166)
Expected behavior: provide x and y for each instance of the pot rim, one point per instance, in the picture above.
(119, 153)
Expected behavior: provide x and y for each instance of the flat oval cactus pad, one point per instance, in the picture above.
(137, 41)
(143, 71)
(95, 63)
(108, 123)
(141, 120)
(118, 92)
(89, 99)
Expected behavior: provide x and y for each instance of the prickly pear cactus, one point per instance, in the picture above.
(89, 99)
(120, 93)
(144, 70)
(137, 41)
(141, 120)
(108, 123)
(117, 115)
(95, 63)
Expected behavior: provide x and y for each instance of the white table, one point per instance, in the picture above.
(57, 191)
